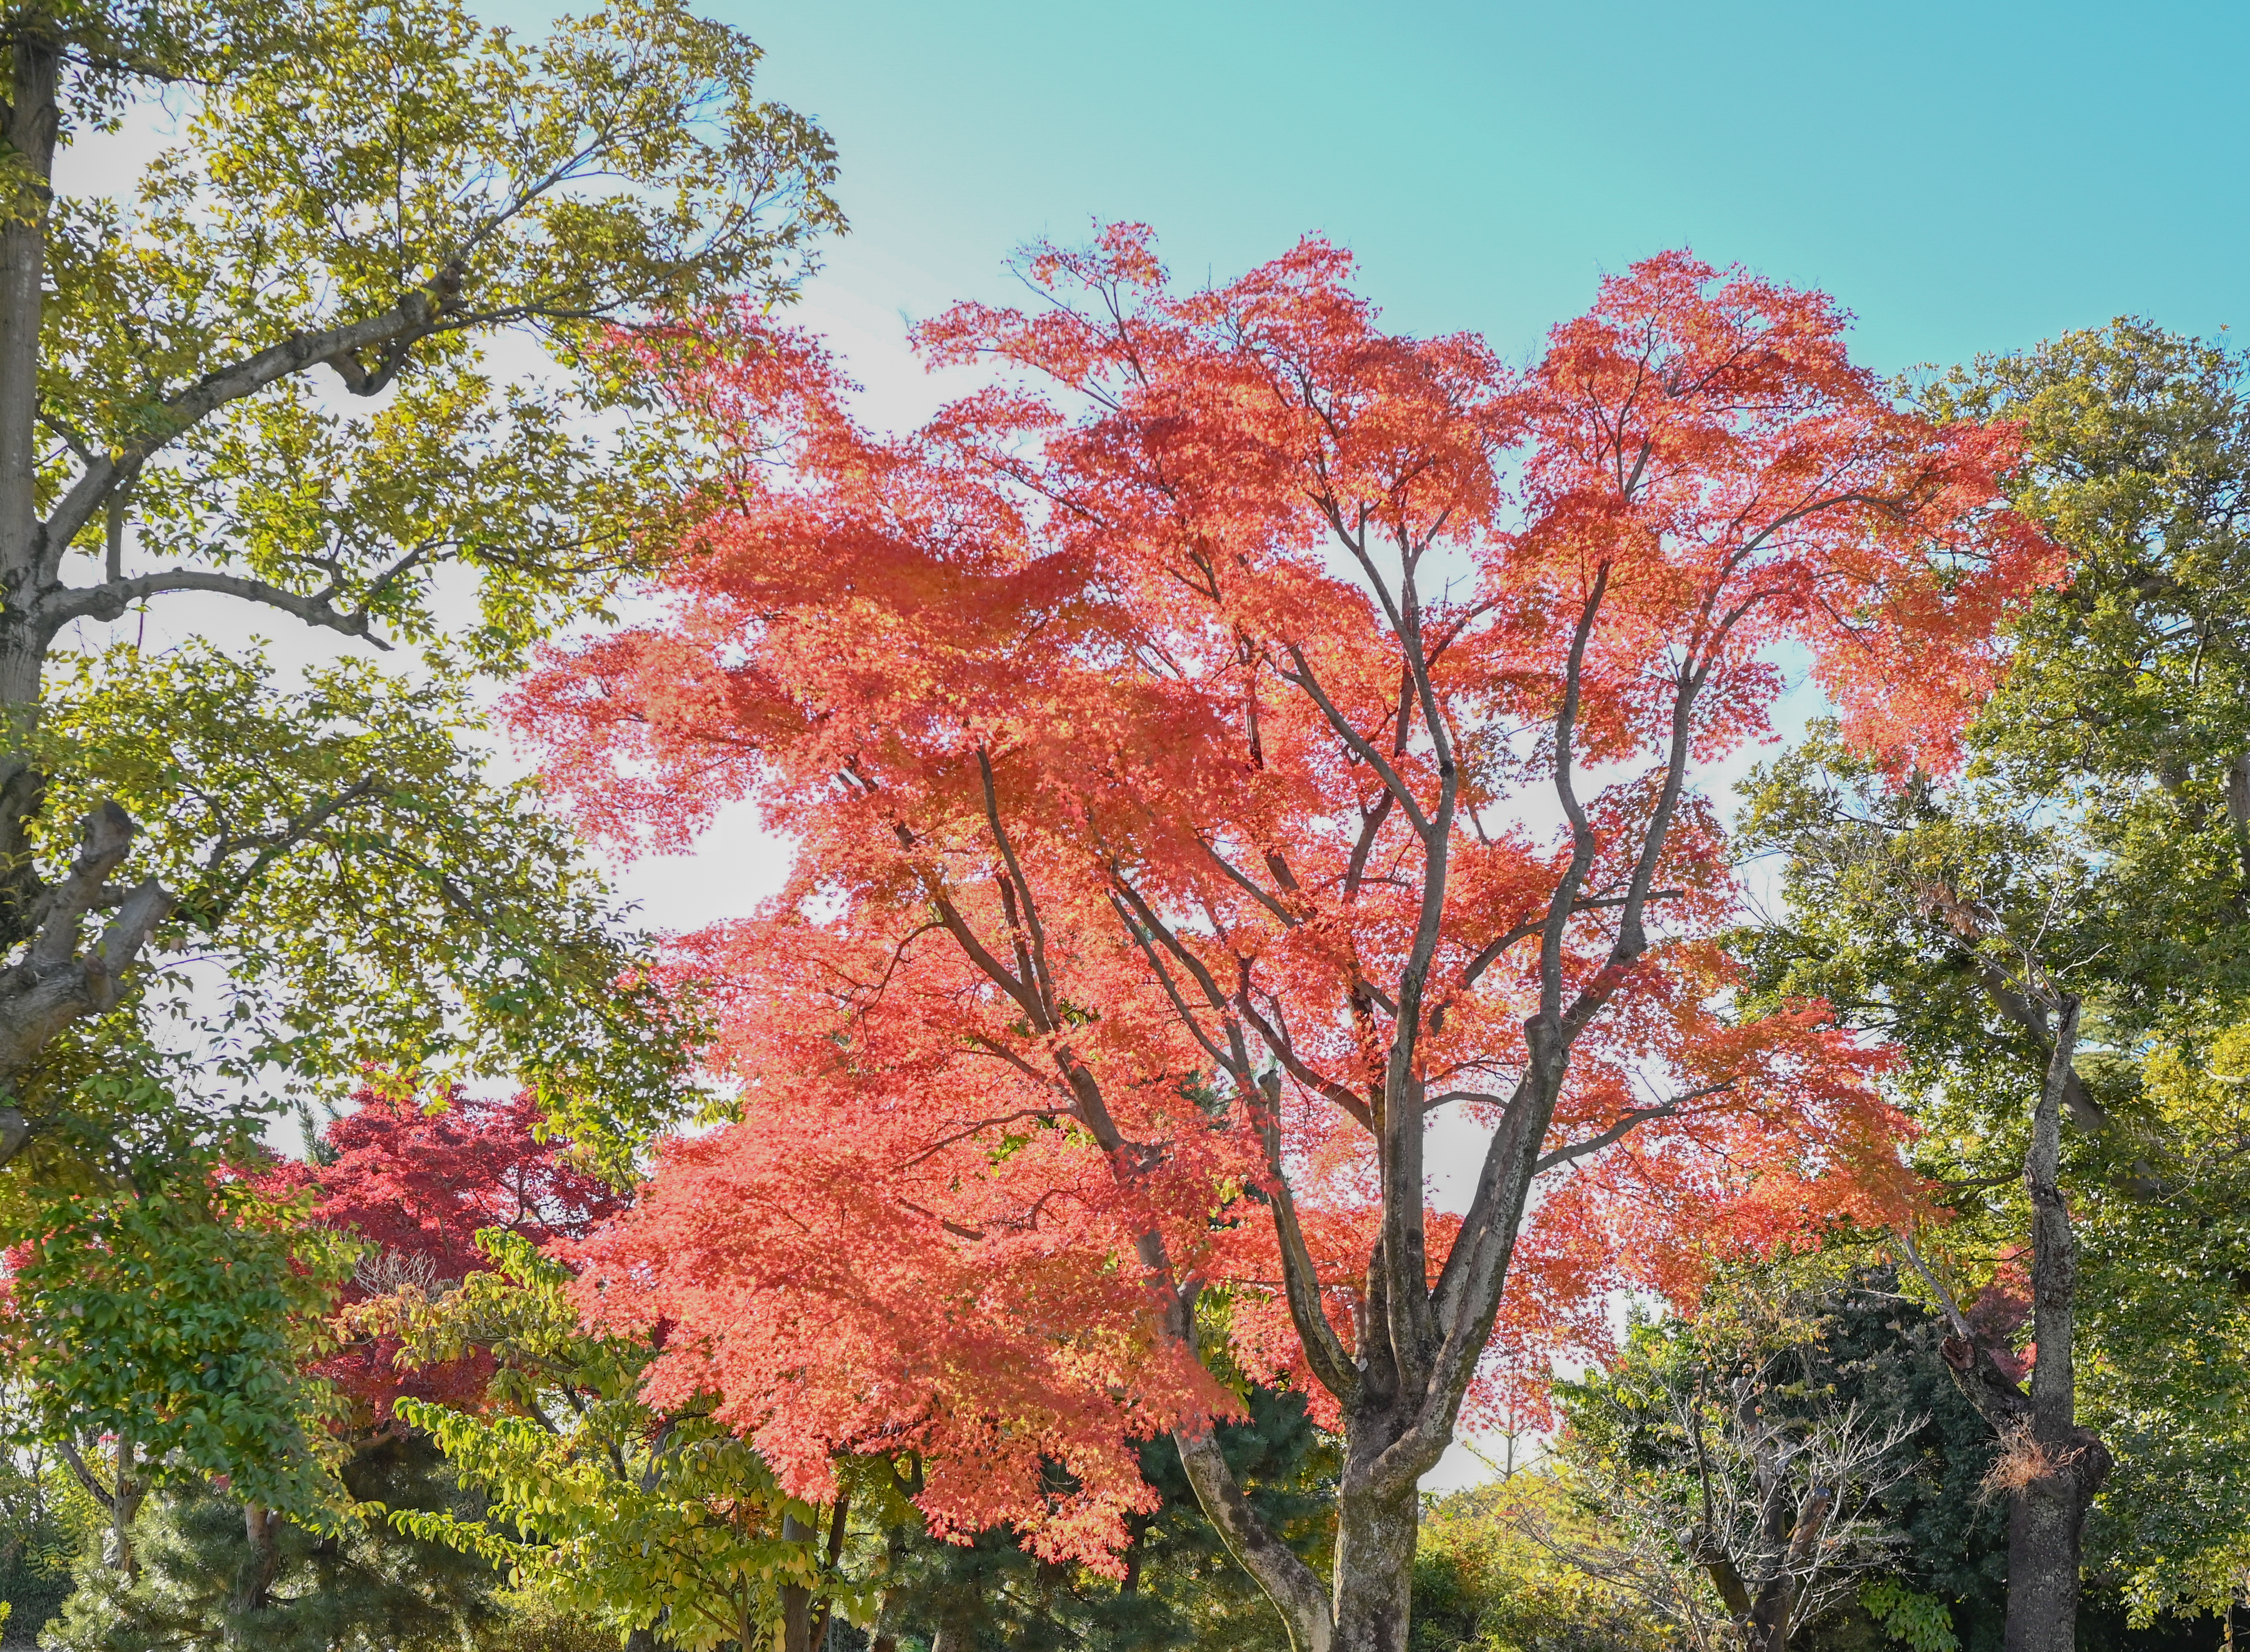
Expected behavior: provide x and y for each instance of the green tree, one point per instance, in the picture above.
(345, 357)
(640, 1519)
(268, 376)
(211, 1569)
(170, 1307)
(2035, 933)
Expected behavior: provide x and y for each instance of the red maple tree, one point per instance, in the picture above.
(418, 1186)
(1238, 736)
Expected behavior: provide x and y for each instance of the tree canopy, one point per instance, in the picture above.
(1165, 730)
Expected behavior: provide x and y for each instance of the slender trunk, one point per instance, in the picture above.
(884, 1636)
(124, 1507)
(1417, 1339)
(254, 1584)
(1798, 1530)
(2238, 808)
(795, 1599)
(2063, 1465)
(838, 1519)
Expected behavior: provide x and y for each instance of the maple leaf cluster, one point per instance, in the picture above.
(1185, 738)
(416, 1185)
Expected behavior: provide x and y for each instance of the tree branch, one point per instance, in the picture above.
(1041, 978)
(111, 600)
(415, 316)
(1626, 1125)
(1324, 1350)
(1303, 678)
(1294, 1588)
(84, 1475)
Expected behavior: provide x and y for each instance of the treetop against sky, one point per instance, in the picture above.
(1487, 163)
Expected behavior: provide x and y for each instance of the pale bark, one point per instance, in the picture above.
(253, 1587)
(121, 1498)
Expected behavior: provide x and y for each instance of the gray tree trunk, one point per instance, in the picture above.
(795, 1599)
(59, 979)
(2063, 1465)
(1377, 1527)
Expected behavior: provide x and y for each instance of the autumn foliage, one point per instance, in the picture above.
(1211, 748)
(417, 1187)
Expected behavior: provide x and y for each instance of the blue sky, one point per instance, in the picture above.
(1964, 178)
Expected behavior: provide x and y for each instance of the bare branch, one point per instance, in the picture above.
(1582, 833)
(110, 600)
(1624, 1125)
(84, 1475)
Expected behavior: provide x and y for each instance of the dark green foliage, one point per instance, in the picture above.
(46, 1522)
(1181, 1588)
(364, 1588)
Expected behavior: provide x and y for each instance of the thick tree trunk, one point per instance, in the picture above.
(1398, 1419)
(2057, 1465)
(54, 983)
(32, 122)
(30, 127)
(1375, 1532)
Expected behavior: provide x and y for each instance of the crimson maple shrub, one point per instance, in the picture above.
(1237, 736)
(417, 1187)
